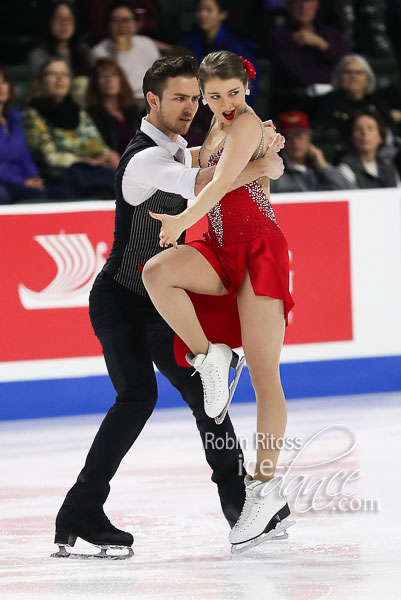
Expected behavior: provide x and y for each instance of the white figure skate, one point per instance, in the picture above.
(263, 517)
(214, 368)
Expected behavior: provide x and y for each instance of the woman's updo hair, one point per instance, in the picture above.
(223, 65)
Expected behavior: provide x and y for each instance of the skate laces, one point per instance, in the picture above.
(208, 382)
(251, 496)
(208, 374)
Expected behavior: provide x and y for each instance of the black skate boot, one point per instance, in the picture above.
(93, 527)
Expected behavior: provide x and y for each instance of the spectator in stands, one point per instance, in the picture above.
(146, 11)
(304, 51)
(19, 176)
(209, 33)
(64, 141)
(363, 166)
(134, 53)
(306, 169)
(111, 104)
(62, 41)
(354, 86)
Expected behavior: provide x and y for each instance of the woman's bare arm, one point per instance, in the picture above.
(240, 146)
(270, 165)
(263, 167)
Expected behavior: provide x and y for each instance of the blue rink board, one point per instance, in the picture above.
(86, 395)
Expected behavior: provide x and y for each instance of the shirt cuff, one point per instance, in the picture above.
(187, 183)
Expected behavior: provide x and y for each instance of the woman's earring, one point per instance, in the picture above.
(204, 101)
(247, 92)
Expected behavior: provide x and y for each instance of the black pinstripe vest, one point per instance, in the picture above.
(136, 234)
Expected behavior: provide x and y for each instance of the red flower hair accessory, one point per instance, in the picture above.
(249, 68)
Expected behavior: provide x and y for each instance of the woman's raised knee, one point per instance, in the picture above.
(153, 274)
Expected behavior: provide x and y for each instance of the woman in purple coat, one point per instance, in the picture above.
(19, 176)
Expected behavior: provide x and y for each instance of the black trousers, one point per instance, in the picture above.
(133, 335)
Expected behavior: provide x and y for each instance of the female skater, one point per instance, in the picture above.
(245, 255)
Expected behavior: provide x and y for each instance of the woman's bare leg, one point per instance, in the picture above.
(262, 327)
(166, 277)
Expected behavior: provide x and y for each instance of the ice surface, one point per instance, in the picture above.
(163, 495)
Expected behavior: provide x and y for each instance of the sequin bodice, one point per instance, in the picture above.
(241, 215)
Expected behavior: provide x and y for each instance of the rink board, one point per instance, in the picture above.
(87, 395)
(344, 334)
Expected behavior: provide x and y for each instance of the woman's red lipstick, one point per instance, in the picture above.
(229, 115)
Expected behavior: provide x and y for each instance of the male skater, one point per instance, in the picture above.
(154, 174)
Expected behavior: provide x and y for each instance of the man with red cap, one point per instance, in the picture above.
(306, 169)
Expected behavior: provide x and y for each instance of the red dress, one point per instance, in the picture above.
(243, 235)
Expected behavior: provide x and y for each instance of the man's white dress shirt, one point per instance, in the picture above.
(156, 168)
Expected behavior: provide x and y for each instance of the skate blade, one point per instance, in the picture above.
(238, 370)
(63, 553)
(278, 533)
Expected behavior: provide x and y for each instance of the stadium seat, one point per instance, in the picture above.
(21, 76)
(385, 69)
(262, 102)
(177, 17)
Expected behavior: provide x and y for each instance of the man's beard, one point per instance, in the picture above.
(177, 127)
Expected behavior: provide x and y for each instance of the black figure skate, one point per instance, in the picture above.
(93, 527)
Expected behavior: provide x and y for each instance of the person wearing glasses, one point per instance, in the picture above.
(61, 41)
(354, 90)
(67, 147)
(134, 53)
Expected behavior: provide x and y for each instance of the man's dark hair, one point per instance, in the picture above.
(163, 68)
